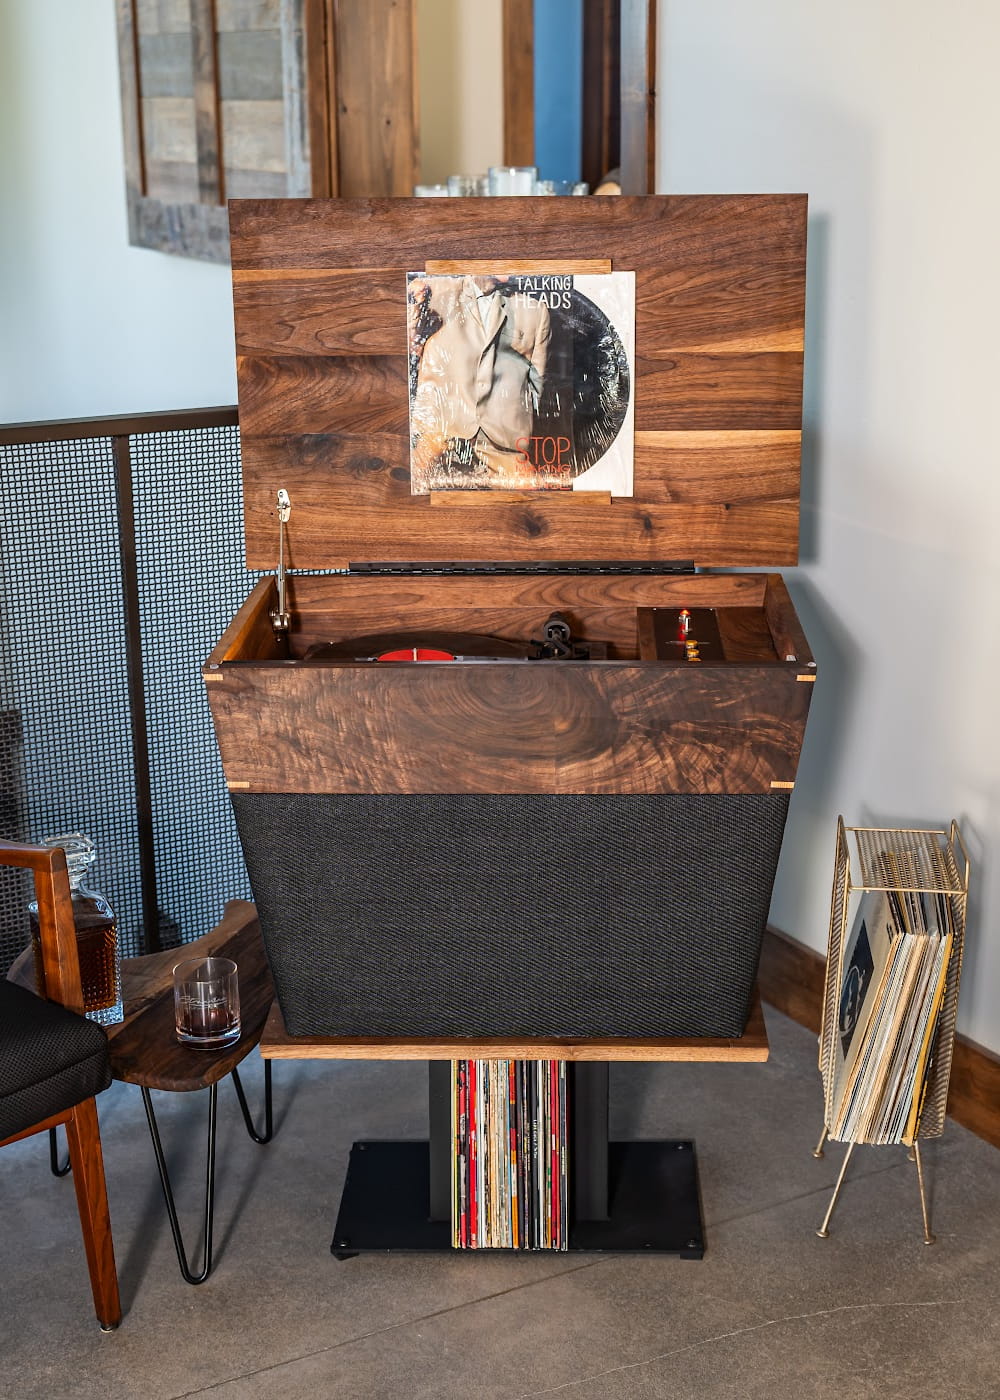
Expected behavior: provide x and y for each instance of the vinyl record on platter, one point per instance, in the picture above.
(423, 646)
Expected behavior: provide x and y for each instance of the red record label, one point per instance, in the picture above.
(416, 654)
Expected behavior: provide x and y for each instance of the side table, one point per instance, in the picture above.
(145, 1049)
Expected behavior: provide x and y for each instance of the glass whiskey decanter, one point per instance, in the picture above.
(96, 935)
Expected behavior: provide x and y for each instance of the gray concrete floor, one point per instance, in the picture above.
(771, 1311)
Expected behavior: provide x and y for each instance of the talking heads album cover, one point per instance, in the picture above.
(521, 381)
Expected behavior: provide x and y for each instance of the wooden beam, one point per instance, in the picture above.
(277, 1044)
(518, 82)
(601, 133)
(638, 96)
(208, 129)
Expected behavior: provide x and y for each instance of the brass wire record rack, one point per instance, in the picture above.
(894, 964)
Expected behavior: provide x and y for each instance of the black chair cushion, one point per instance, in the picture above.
(50, 1059)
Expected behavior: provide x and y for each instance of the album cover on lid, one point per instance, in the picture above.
(521, 381)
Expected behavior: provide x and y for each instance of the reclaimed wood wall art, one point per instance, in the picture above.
(233, 99)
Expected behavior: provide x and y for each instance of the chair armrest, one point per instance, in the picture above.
(60, 958)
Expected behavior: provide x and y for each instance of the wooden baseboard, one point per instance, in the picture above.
(791, 980)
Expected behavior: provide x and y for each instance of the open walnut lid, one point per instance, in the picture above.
(319, 289)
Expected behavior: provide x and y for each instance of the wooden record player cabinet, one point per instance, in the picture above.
(569, 852)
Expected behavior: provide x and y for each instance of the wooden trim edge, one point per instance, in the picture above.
(791, 980)
(118, 425)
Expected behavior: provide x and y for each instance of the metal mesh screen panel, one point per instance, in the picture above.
(189, 555)
(66, 758)
(65, 735)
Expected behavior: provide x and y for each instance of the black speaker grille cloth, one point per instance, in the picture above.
(457, 916)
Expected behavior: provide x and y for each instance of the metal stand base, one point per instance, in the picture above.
(186, 1271)
(913, 1156)
(653, 1198)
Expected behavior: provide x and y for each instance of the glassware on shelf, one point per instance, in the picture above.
(466, 186)
(96, 935)
(512, 179)
(430, 191)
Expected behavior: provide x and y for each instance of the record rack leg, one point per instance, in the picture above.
(640, 1195)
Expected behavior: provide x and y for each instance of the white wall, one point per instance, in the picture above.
(89, 325)
(461, 93)
(888, 115)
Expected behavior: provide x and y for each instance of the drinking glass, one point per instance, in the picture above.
(207, 1002)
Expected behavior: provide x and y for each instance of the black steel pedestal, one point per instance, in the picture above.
(627, 1196)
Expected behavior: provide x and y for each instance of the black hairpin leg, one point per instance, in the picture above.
(56, 1169)
(268, 1132)
(161, 1164)
(168, 1194)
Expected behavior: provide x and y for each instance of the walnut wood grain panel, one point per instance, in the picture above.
(556, 728)
(713, 271)
(752, 1045)
(362, 310)
(249, 636)
(718, 330)
(735, 466)
(455, 266)
(486, 500)
(760, 390)
(398, 529)
(308, 395)
(376, 97)
(600, 608)
(724, 305)
(332, 312)
(745, 635)
(330, 608)
(784, 625)
(354, 596)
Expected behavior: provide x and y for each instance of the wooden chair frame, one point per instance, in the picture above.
(61, 966)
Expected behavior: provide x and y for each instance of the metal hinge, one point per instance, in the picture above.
(563, 566)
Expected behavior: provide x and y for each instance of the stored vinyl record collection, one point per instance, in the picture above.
(510, 1185)
(892, 985)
